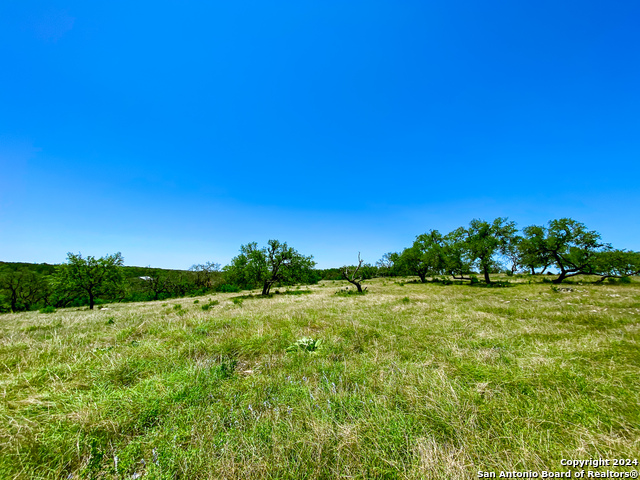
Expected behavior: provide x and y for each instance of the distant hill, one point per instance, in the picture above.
(49, 269)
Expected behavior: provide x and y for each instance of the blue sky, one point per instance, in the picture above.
(174, 132)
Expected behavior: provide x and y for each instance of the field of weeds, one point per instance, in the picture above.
(409, 381)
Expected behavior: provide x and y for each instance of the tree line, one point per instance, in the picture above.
(487, 247)
(483, 248)
(93, 281)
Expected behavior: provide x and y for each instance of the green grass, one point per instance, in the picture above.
(410, 381)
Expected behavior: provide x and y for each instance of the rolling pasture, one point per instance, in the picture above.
(408, 381)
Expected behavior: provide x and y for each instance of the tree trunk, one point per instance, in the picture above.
(560, 278)
(91, 300)
(533, 271)
(486, 275)
(266, 288)
(423, 277)
(356, 283)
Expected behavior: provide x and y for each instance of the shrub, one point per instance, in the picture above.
(48, 309)
(226, 288)
(625, 280)
(211, 303)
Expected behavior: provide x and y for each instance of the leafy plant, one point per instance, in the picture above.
(48, 309)
(211, 303)
(227, 288)
(306, 344)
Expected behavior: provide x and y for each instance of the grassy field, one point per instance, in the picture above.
(409, 381)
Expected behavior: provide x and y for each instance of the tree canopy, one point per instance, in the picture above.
(426, 257)
(567, 244)
(485, 240)
(277, 263)
(23, 288)
(90, 276)
(616, 264)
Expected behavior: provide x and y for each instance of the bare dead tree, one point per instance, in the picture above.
(205, 275)
(352, 276)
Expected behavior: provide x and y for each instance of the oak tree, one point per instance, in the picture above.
(567, 244)
(91, 277)
(485, 240)
(277, 263)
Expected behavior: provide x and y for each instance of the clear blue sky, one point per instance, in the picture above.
(176, 131)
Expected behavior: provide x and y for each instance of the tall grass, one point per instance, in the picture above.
(409, 381)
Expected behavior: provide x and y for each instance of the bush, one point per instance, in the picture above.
(294, 292)
(625, 280)
(48, 309)
(211, 303)
(226, 288)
